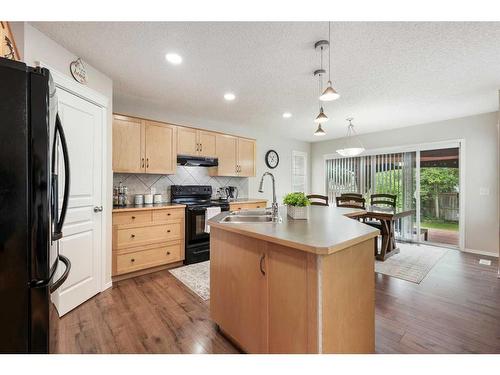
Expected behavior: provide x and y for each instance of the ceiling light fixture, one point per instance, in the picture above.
(287, 115)
(352, 144)
(229, 96)
(173, 58)
(329, 94)
(319, 132)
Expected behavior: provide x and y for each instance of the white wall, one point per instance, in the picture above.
(35, 46)
(481, 168)
(266, 138)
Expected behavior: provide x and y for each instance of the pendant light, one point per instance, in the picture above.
(329, 94)
(319, 132)
(352, 144)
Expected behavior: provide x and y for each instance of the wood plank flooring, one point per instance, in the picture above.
(455, 309)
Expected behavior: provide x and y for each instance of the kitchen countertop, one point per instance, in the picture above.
(157, 206)
(328, 230)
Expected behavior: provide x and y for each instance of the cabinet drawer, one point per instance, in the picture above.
(148, 234)
(164, 215)
(246, 206)
(152, 257)
(133, 217)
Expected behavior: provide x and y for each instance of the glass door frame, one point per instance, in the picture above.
(453, 143)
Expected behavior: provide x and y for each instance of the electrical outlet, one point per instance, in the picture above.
(485, 262)
(484, 191)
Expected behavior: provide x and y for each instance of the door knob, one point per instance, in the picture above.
(98, 209)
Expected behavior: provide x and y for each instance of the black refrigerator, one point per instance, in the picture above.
(33, 205)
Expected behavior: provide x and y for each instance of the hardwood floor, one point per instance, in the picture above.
(455, 309)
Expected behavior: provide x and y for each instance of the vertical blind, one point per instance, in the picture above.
(384, 173)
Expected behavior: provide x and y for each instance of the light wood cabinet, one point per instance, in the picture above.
(236, 156)
(146, 239)
(238, 284)
(160, 145)
(144, 146)
(195, 142)
(128, 145)
(246, 157)
(141, 146)
(247, 206)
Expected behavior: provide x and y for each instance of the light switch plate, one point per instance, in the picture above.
(485, 262)
(484, 191)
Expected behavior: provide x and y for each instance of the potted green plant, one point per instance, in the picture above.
(296, 205)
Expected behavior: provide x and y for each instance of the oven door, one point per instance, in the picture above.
(196, 226)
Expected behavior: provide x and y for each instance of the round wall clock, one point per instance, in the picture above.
(272, 159)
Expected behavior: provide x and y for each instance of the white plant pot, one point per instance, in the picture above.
(297, 213)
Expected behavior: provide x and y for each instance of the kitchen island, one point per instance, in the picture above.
(297, 286)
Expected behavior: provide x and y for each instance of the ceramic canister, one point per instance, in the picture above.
(148, 198)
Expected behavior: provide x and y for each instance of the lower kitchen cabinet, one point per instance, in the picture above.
(146, 239)
(259, 290)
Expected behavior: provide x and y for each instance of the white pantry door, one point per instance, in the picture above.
(82, 122)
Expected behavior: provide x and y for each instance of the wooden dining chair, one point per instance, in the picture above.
(318, 200)
(381, 200)
(350, 202)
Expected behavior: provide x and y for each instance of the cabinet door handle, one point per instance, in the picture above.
(168, 230)
(261, 264)
(168, 252)
(133, 217)
(168, 214)
(132, 260)
(132, 236)
(142, 163)
(201, 146)
(147, 162)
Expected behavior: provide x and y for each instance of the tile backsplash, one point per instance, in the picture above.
(160, 184)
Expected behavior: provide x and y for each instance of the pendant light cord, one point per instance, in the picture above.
(329, 53)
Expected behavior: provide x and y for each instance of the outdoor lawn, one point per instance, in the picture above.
(439, 224)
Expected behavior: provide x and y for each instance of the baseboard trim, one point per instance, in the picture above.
(481, 252)
(107, 286)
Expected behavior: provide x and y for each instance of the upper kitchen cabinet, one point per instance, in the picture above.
(246, 157)
(141, 146)
(236, 156)
(196, 142)
(128, 145)
(161, 157)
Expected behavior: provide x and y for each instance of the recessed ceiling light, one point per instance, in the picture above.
(287, 115)
(229, 96)
(173, 58)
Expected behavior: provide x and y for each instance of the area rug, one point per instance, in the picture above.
(412, 263)
(196, 277)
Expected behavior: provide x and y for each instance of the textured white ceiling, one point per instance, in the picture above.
(388, 74)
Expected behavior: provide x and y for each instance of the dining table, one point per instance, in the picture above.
(387, 217)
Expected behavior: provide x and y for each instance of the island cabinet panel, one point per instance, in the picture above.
(160, 148)
(247, 206)
(349, 300)
(238, 289)
(128, 145)
(292, 301)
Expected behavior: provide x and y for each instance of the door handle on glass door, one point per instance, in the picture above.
(98, 209)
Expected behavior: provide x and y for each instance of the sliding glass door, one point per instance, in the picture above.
(424, 180)
(439, 182)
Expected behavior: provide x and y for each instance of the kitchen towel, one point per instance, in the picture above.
(209, 213)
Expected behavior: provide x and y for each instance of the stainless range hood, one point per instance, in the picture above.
(196, 161)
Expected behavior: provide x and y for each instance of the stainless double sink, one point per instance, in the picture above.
(249, 216)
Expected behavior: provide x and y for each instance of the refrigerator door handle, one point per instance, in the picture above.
(60, 222)
(54, 286)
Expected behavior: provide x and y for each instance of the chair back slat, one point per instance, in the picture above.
(357, 195)
(318, 200)
(383, 200)
(350, 202)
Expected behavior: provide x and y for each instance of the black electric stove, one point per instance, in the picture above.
(197, 199)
